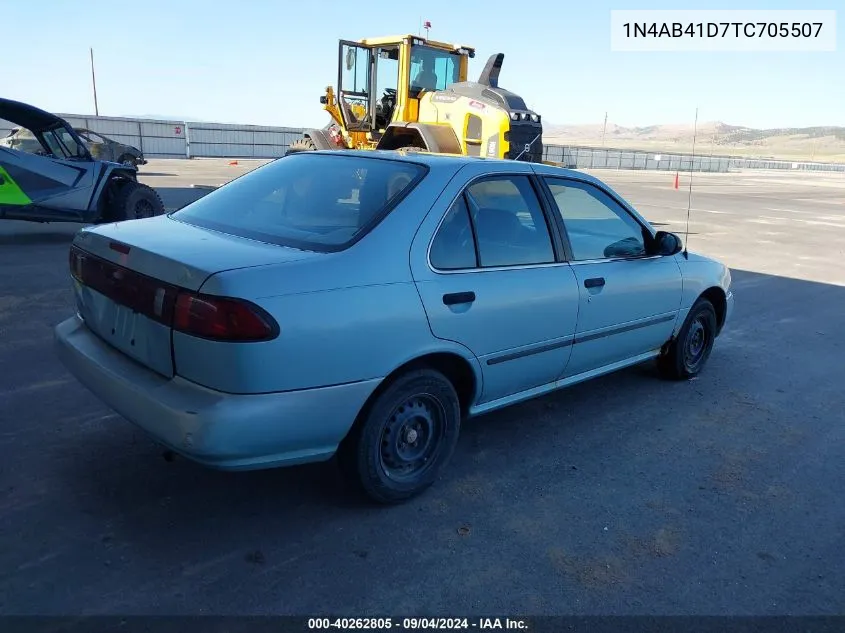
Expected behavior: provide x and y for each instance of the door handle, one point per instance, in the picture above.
(595, 282)
(458, 297)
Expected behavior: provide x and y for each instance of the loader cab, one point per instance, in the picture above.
(381, 80)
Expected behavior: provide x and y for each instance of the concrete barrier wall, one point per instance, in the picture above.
(194, 139)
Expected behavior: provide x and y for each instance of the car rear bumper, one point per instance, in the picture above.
(219, 430)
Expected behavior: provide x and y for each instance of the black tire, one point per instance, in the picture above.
(305, 144)
(127, 160)
(687, 355)
(134, 201)
(417, 416)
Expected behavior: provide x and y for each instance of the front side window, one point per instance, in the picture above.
(433, 69)
(597, 226)
(71, 145)
(51, 138)
(307, 201)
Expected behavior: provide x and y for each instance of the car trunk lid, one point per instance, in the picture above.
(127, 277)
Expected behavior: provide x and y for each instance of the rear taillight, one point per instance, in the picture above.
(207, 316)
(222, 319)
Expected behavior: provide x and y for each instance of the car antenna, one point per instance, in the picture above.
(689, 197)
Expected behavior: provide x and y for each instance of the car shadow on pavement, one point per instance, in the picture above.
(608, 446)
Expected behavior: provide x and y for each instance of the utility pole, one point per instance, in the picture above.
(94, 83)
(604, 129)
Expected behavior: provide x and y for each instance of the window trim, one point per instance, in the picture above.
(559, 246)
(558, 217)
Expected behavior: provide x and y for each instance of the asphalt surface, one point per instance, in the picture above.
(625, 495)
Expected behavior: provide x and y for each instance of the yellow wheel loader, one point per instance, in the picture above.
(411, 92)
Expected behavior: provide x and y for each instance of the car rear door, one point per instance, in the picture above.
(489, 272)
(629, 300)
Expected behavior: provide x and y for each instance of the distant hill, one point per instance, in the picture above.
(823, 143)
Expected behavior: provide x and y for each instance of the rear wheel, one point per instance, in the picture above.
(305, 144)
(133, 201)
(405, 438)
(687, 355)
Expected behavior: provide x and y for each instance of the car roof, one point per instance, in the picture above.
(28, 116)
(445, 160)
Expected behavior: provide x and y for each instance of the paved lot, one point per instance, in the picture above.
(628, 495)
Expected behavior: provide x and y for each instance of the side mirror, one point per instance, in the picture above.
(667, 244)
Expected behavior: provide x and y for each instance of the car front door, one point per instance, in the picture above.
(629, 298)
(492, 279)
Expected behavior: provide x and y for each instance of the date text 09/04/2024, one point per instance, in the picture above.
(417, 624)
(724, 29)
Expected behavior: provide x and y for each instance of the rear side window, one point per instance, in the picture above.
(307, 201)
(453, 247)
(509, 222)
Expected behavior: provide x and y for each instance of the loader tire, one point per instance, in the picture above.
(301, 145)
(134, 201)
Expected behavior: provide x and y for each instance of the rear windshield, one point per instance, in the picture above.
(307, 201)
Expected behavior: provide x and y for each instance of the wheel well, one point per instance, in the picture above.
(456, 369)
(396, 139)
(716, 296)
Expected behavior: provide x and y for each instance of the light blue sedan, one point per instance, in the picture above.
(365, 303)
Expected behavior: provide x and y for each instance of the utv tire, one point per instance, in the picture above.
(404, 439)
(301, 145)
(134, 201)
(687, 355)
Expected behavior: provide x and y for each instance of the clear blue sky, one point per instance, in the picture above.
(268, 61)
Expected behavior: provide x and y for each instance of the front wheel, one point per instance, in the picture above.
(687, 355)
(405, 439)
(133, 201)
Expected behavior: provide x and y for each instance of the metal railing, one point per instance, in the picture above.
(188, 139)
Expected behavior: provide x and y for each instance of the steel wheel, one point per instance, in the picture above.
(696, 343)
(687, 355)
(404, 437)
(412, 438)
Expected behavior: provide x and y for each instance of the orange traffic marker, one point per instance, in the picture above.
(676, 180)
